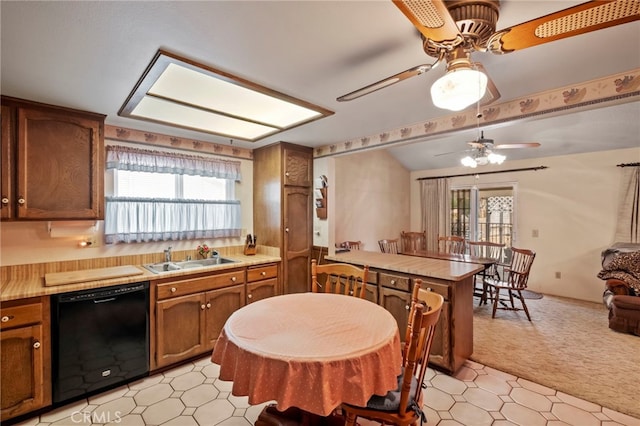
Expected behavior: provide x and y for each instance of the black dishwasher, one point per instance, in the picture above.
(100, 339)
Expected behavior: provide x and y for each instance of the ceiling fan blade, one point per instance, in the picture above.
(517, 145)
(583, 18)
(420, 69)
(452, 152)
(432, 19)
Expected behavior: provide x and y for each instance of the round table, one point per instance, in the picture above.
(313, 351)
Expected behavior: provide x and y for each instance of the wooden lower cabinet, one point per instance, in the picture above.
(220, 304)
(190, 313)
(262, 282)
(453, 342)
(180, 328)
(398, 303)
(25, 351)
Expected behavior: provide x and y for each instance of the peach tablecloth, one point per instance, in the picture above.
(313, 351)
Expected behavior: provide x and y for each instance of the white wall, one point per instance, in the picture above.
(372, 198)
(572, 204)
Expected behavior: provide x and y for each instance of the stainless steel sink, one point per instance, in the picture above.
(156, 268)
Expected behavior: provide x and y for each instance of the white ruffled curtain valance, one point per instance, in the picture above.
(134, 220)
(144, 160)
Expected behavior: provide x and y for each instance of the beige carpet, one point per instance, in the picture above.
(568, 347)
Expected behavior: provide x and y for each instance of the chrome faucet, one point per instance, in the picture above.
(215, 254)
(167, 254)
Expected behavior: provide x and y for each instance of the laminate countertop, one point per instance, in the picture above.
(422, 266)
(21, 287)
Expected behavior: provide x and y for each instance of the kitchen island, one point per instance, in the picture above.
(391, 279)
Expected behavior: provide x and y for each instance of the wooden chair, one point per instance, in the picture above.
(489, 250)
(413, 241)
(513, 282)
(351, 245)
(388, 246)
(403, 406)
(339, 278)
(451, 244)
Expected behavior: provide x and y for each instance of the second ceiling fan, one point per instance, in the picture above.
(451, 30)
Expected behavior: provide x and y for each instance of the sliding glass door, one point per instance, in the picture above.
(484, 213)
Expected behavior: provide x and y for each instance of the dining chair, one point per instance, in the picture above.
(351, 245)
(490, 250)
(403, 406)
(339, 278)
(514, 280)
(388, 246)
(413, 241)
(451, 244)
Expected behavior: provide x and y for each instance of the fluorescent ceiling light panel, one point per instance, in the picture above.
(179, 92)
(197, 119)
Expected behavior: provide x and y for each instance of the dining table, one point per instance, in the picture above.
(486, 262)
(313, 351)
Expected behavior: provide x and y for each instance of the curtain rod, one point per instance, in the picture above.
(628, 165)
(525, 169)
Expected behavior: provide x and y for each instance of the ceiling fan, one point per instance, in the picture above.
(451, 30)
(482, 151)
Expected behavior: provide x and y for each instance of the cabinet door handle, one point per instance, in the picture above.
(208, 305)
(6, 318)
(5, 200)
(21, 201)
(36, 345)
(233, 279)
(393, 282)
(407, 307)
(249, 296)
(173, 289)
(286, 229)
(286, 174)
(263, 273)
(202, 306)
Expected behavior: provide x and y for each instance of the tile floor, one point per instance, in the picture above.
(192, 395)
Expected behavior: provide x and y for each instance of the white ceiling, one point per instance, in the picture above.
(90, 54)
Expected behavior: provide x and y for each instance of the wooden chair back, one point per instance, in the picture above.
(489, 250)
(519, 268)
(413, 241)
(339, 278)
(423, 317)
(451, 244)
(351, 245)
(388, 246)
(514, 280)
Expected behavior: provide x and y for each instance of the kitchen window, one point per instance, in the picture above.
(161, 196)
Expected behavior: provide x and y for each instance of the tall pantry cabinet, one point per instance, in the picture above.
(283, 208)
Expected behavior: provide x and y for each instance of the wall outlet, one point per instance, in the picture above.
(558, 275)
(535, 233)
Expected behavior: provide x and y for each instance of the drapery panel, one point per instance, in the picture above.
(628, 225)
(135, 220)
(144, 160)
(436, 206)
(129, 220)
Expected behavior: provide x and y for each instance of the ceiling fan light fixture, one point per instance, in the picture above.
(496, 158)
(459, 88)
(469, 162)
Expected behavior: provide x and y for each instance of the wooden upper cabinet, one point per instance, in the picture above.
(7, 161)
(298, 168)
(59, 164)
